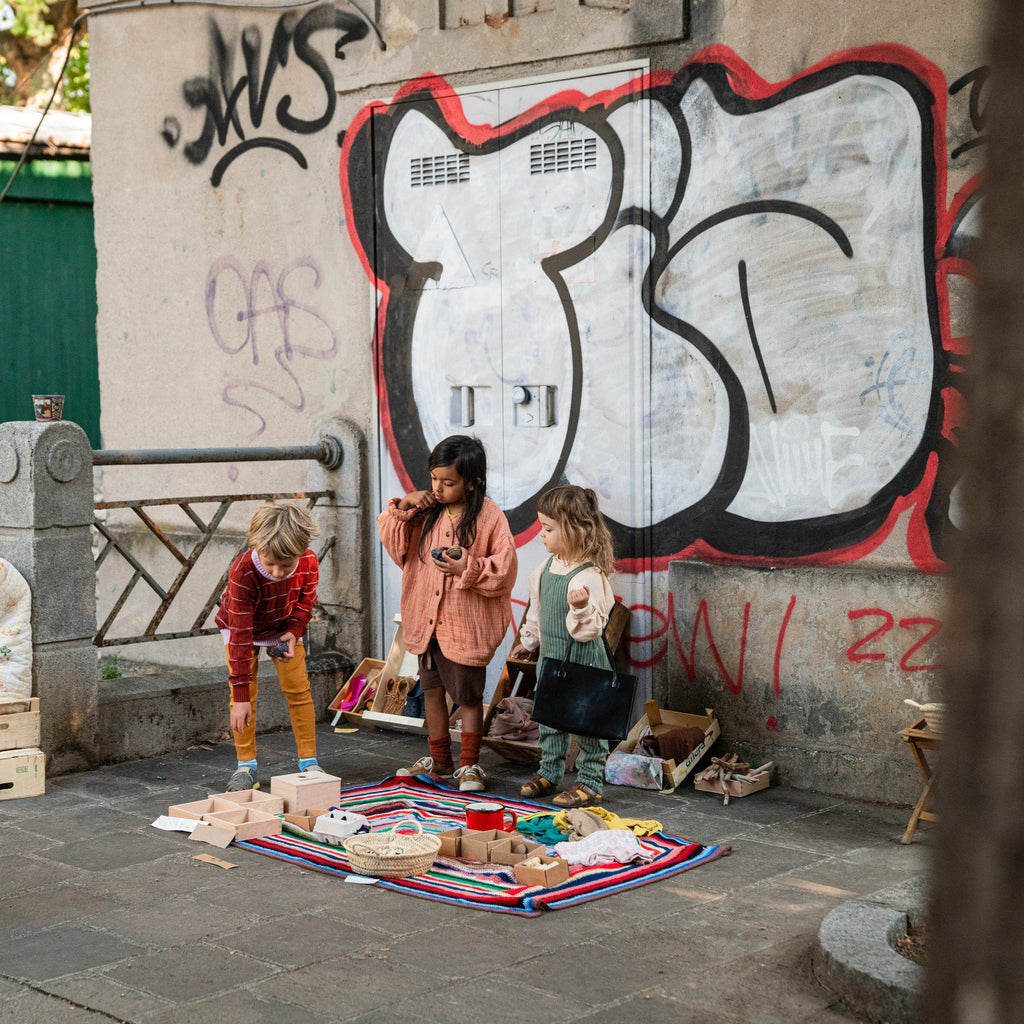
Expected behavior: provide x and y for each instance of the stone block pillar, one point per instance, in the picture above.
(46, 513)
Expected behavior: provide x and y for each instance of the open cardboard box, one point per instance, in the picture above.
(735, 787)
(515, 848)
(542, 871)
(480, 844)
(662, 721)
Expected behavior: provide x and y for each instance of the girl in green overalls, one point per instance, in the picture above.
(570, 597)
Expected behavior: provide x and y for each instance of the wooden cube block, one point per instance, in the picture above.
(303, 790)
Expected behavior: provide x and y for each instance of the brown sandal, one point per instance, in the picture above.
(577, 795)
(537, 786)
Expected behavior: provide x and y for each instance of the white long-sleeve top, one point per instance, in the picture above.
(583, 624)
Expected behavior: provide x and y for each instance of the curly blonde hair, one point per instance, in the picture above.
(283, 530)
(586, 535)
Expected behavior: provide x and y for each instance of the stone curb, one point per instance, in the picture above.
(855, 956)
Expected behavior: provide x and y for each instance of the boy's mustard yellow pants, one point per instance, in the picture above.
(294, 682)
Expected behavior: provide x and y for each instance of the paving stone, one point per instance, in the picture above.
(24, 871)
(108, 851)
(187, 973)
(60, 951)
(38, 1008)
(102, 995)
(241, 1007)
(33, 911)
(289, 942)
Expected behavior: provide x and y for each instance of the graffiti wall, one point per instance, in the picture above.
(780, 284)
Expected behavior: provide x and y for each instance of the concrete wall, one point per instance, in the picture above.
(749, 299)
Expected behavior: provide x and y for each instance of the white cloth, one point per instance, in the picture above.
(614, 844)
(15, 634)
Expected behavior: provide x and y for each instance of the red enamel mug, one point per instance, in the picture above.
(489, 814)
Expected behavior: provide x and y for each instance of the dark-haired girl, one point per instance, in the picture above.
(458, 561)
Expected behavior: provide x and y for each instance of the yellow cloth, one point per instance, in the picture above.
(635, 825)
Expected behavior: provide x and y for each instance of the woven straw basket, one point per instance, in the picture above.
(933, 714)
(392, 854)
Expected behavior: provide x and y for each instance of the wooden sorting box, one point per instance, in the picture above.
(20, 729)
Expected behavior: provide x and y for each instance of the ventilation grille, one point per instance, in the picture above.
(565, 155)
(450, 169)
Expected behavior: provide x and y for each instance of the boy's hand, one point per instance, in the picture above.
(241, 715)
(579, 597)
(289, 639)
(419, 500)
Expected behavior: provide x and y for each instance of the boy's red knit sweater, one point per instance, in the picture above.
(254, 607)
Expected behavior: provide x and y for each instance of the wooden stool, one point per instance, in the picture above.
(921, 738)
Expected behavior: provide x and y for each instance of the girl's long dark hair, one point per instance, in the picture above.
(467, 456)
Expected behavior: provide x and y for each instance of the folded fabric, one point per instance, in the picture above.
(675, 745)
(541, 827)
(636, 770)
(634, 825)
(512, 721)
(584, 822)
(604, 847)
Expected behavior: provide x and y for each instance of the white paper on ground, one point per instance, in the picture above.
(169, 824)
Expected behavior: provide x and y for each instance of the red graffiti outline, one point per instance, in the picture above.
(852, 652)
(936, 625)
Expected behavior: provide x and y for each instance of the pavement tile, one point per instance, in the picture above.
(171, 922)
(591, 973)
(24, 871)
(186, 973)
(658, 1006)
(290, 942)
(352, 985)
(108, 851)
(39, 1008)
(46, 907)
(241, 1007)
(105, 996)
(45, 955)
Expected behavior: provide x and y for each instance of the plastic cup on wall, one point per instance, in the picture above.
(48, 407)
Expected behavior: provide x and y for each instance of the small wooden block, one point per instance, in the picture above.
(301, 790)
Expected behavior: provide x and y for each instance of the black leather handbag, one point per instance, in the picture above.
(584, 699)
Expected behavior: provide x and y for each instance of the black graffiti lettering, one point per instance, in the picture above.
(976, 81)
(220, 94)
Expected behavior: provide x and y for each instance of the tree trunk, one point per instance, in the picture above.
(975, 973)
(37, 67)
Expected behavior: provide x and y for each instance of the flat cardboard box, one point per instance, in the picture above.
(305, 821)
(22, 773)
(266, 802)
(662, 721)
(515, 849)
(399, 663)
(367, 667)
(301, 791)
(20, 729)
(547, 872)
(478, 844)
(195, 809)
(245, 823)
(736, 787)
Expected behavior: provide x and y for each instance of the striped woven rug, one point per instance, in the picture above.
(438, 807)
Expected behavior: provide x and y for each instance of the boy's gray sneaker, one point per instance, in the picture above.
(244, 778)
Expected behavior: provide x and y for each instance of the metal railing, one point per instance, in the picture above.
(328, 452)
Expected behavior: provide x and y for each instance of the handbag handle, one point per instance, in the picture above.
(608, 651)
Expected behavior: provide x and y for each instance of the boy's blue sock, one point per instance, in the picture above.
(248, 764)
(306, 762)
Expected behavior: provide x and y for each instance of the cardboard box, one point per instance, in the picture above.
(195, 809)
(515, 849)
(22, 773)
(478, 844)
(451, 842)
(542, 871)
(735, 787)
(245, 823)
(301, 791)
(662, 721)
(20, 729)
(399, 663)
(307, 820)
(367, 667)
(266, 802)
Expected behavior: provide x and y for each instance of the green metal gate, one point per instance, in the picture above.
(48, 292)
